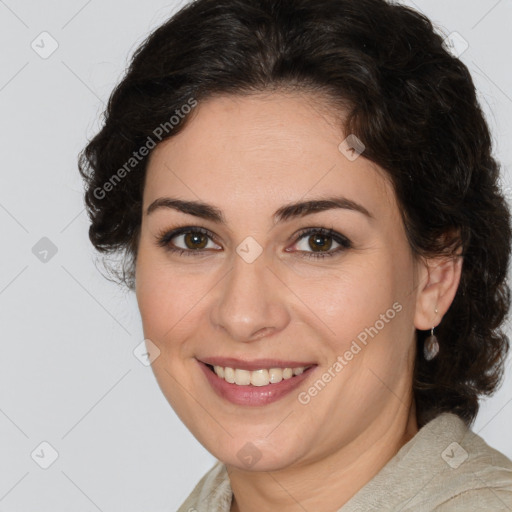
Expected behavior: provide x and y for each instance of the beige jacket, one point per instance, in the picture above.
(445, 467)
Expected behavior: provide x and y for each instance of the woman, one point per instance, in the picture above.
(305, 195)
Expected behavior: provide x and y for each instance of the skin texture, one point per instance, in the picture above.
(249, 156)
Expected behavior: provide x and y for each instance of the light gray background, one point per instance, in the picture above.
(67, 372)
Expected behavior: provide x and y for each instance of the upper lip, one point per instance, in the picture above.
(254, 364)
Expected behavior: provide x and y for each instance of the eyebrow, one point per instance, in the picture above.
(287, 212)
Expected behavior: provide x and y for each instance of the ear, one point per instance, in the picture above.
(438, 282)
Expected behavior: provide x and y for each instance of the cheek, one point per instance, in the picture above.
(350, 298)
(367, 309)
(157, 300)
(170, 302)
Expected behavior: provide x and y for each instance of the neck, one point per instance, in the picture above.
(327, 483)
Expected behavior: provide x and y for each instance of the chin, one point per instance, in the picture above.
(248, 452)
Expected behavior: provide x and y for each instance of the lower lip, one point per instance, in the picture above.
(253, 395)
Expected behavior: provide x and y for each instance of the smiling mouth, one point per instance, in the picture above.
(261, 377)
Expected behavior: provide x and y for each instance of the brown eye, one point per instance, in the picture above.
(317, 243)
(188, 240)
(195, 240)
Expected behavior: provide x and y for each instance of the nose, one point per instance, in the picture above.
(250, 302)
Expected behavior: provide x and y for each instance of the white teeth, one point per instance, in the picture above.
(275, 375)
(242, 377)
(261, 377)
(287, 373)
(229, 375)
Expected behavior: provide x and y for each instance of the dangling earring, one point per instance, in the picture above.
(431, 346)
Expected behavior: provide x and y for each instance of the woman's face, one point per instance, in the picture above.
(251, 291)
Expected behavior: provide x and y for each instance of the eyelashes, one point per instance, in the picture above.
(196, 235)
(319, 236)
(164, 240)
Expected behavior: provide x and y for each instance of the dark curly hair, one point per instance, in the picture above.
(399, 90)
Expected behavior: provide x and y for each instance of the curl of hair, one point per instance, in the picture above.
(398, 90)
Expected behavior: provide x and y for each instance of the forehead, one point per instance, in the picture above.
(263, 150)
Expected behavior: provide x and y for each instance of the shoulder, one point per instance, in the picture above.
(473, 457)
(470, 474)
(482, 474)
(445, 467)
(475, 500)
(211, 494)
